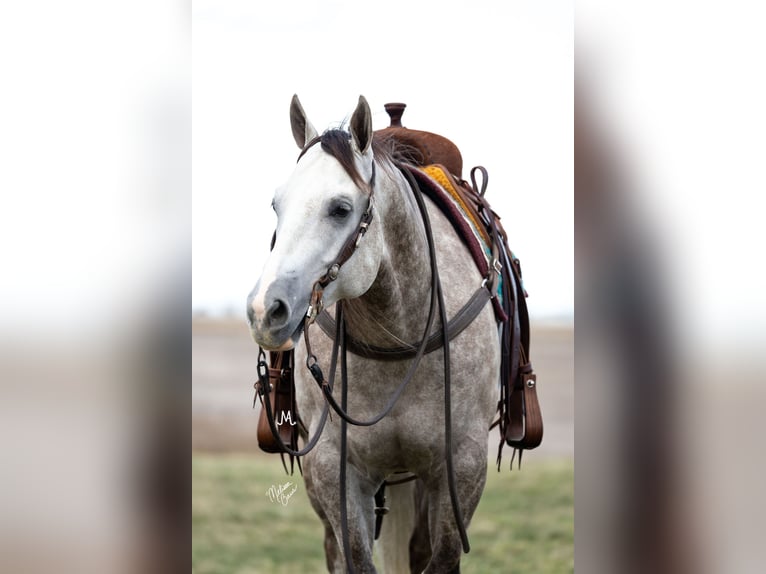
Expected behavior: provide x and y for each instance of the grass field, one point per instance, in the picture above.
(524, 523)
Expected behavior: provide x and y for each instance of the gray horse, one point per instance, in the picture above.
(385, 287)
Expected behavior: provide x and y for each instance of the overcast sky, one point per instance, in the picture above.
(496, 78)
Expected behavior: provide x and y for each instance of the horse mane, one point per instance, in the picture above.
(387, 152)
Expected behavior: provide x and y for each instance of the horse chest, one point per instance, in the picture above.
(394, 445)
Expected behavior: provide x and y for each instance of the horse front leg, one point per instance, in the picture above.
(322, 472)
(470, 477)
(332, 551)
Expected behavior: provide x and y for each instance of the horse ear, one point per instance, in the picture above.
(303, 131)
(361, 126)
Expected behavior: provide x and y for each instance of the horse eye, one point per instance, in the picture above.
(340, 211)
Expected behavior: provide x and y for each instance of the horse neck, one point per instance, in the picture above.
(395, 308)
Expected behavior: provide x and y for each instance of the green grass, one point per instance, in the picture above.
(524, 523)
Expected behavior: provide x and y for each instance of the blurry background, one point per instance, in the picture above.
(669, 147)
(95, 173)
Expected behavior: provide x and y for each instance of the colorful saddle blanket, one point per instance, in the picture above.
(439, 185)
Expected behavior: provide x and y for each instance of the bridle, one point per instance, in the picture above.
(348, 249)
(340, 349)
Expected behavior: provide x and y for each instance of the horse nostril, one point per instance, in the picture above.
(277, 314)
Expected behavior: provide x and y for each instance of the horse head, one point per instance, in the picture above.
(318, 209)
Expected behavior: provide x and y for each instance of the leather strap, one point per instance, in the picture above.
(380, 508)
(455, 326)
(352, 242)
(349, 247)
(524, 417)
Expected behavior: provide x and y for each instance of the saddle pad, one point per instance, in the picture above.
(438, 173)
(438, 186)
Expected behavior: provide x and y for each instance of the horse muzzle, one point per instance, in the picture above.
(276, 315)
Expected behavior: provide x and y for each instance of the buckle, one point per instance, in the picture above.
(362, 230)
(315, 304)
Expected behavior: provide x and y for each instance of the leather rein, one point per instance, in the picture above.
(342, 343)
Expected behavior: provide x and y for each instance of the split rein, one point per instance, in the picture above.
(340, 348)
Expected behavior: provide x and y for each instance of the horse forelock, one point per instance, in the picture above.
(337, 143)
